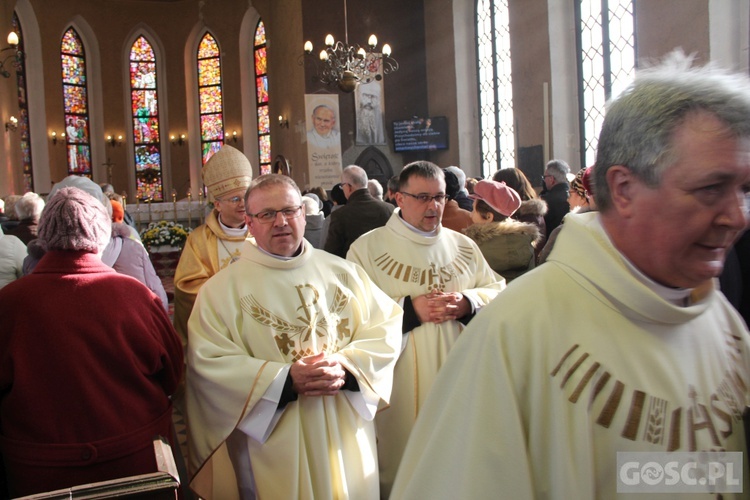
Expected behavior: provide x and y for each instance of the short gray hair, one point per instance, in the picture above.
(267, 180)
(375, 188)
(354, 175)
(30, 206)
(638, 127)
(558, 169)
(311, 206)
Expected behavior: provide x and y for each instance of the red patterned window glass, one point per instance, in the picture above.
(75, 104)
(144, 106)
(261, 87)
(23, 111)
(209, 95)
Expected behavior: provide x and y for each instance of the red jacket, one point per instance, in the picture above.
(88, 358)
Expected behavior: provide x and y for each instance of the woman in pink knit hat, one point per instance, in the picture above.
(507, 244)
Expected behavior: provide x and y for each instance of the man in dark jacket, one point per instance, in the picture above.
(361, 213)
(555, 193)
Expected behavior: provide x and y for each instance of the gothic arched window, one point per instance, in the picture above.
(23, 111)
(606, 63)
(209, 91)
(261, 87)
(144, 107)
(75, 101)
(495, 85)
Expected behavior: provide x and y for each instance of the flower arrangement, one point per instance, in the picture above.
(164, 233)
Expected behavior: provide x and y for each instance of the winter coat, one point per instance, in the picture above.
(361, 214)
(508, 246)
(314, 229)
(557, 205)
(25, 231)
(533, 212)
(87, 368)
(12, 253)
(127, 256)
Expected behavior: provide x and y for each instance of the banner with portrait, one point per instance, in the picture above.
(323, 139)
(370, 106)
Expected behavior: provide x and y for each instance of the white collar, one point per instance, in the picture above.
(428, 234)
(232, 231)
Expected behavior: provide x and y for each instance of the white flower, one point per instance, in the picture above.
(164, 233)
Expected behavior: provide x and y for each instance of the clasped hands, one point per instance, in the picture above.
(438, 307)
(318, 375)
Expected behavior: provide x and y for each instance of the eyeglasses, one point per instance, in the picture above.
(546, 175)
(426, 198)
(234, 200)
(269, 216)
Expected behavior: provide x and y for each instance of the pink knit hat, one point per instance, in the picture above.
(503, 199)
(74, 220)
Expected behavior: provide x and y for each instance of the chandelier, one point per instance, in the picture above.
(349, 65)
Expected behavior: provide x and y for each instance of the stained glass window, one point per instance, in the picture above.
(209, 91)
(23, 111)
(495, 85)
(144, 105)
(261, 87)
(75, 101)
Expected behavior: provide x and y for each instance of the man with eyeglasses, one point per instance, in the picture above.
(215, 244)
(291, 353)
(441, 280)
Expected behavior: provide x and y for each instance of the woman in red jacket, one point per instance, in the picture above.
(88, 359)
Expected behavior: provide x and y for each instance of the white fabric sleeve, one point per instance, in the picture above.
(261, 420)
(364, 401)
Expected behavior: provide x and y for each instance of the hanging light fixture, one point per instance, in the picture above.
(348, 65)
(17, 55)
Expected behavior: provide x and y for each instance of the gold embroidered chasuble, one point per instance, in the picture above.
(250, 322)
(199, 261)
(403, 263)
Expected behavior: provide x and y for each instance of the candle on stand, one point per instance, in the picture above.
(124, 200)
(174, 203)
(190, 208)
(200, 204)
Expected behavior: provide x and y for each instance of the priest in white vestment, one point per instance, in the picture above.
(442, 280)
(621, 342)
(291, 352)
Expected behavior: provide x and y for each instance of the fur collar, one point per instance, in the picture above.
(536, 206)
(120, 229)
(481, 233)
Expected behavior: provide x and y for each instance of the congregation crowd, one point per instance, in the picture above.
(436, 337)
